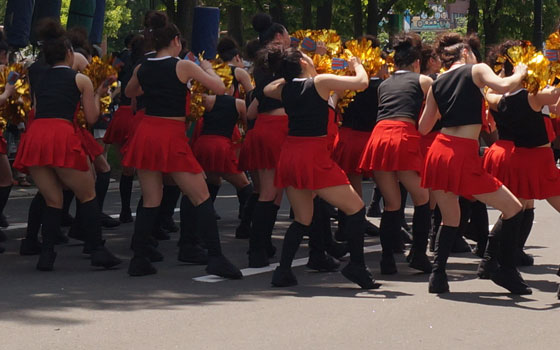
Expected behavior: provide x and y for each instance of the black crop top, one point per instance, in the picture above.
(222, 118)
(36, 71)
(504, 125)
(140, 104)
(400, 96)
(124, 77)
(529, 127)
(362, 112)
(262, 79)
(458, 98)
(57, 94)
(308, 113)
(164, 94)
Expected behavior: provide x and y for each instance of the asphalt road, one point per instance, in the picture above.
(77, 307)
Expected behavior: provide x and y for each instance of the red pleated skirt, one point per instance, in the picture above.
(121, 126)
(332, 129)
(533, 173)
(348, 149)
(426, 141)
(92, 148)
(3, 145)
(52, 143)
(236, 139)
(216, 154)
(306, 163)
(496, 159)
(393, 146)
(453, 165)
(261, 148)
(160, 144)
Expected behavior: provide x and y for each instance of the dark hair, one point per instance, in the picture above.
(128, 39)
(252, 49)
(374, 41)
(227, 49)
(267, 29)
(55, 43)
(137, 45)
(148, 33)
(408, 48)
(474, 43)
(501, 50)
(162, 30)
(285, 63)
(449, 47)
(3, 44)
(79, 38)
(427, 53)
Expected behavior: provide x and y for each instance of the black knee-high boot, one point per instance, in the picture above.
(388, 234)
(489, 263)
(190, 250)
(521, 258)
(340, 234)
(101, 187)
(374, 210)
(435, 227)
(213, 190)
(67, 219)
(125, 190)
(4, 195)
(207, 227)
(318, 259)
(420, 229)
(94, 244)
(270, 248)
(247, 200)
(76, 230)
(507, 275)
(444, 241)
(479, 224)
(460, 245)
(171, 194)
(140, 265)
(356, 270)
(50, 226)
(335, 249)
(264, 213)
(30, 245)
(283, 275)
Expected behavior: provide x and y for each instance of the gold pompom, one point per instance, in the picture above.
(328, 36)
(17, 107)
(539, 74)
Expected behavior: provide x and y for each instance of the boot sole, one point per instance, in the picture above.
(352, 278)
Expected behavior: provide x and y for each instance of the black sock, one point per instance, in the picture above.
(101, 187)
(188, 233)
(437, 219)
(125, 189)
(4, 195)
(263, 214)
(376, 197)
(50, 227)
(213, 189)
(67, 197)
(445, 238)
(479, 223)
(34, 217)
(249, 209)
(525, 227)
(207, 227)
(508, 241)
(389, 230)
(466, 209)
(421, 227)
(243, 196)
(90, 222)
(404, 196)
(355, 228)
(291, 243)
(493, 245)
(326, 225)
(316, 239)
(145, 220)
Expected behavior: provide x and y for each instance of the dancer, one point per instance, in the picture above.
(159, 145)
(52, 150)
(305, 166)
(393, 154)
(453, 167)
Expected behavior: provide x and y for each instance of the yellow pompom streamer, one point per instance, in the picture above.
(16, 108)
(539, 74)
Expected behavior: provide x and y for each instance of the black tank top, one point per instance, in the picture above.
(124, 77)
(362, 112)
(458, 98)
(234, 83)
(36, 71)
(164, 94)
(222, 118)
(140, 99)
(262, 79)
(57, 94)
(308, 113)
(400, 96)
(528, 126)
(504, 126)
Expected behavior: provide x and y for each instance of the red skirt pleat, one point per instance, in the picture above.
(496, 159)
(92, 148)
(52, 143)
(120, 127)
(261, 148)
(236, 139)
(533, 173)
(3, 145)
(426, 141)
(216, 154)
(332, 129)
(453, 165)
(160, 144)
(348, 149)
(393, 146)
(305, 163)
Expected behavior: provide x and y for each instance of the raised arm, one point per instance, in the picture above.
(187, 70)
(244, 79)
(325, 83)
(274, 89)
(8, 91)
(483, 76)
(133, 88)
(90, 98)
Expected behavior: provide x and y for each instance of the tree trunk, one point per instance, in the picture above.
(472, 17)
(277, 11)
(306, 20)
(184, 18)
(358, 18)
(235, 23)
(491, 23)
(324, 14)
(373, 17)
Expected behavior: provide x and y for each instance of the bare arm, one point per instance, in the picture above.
(253, 109)
(90, 99)
(430, 114)
(548, 97)
(8, 91)
(483, 76)
(242, 110)
(493, 99)
(244, 79)
(274, 89)
(187, 70)
(325, 83)
(133, 87)
(80, 62)
(425, 83)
